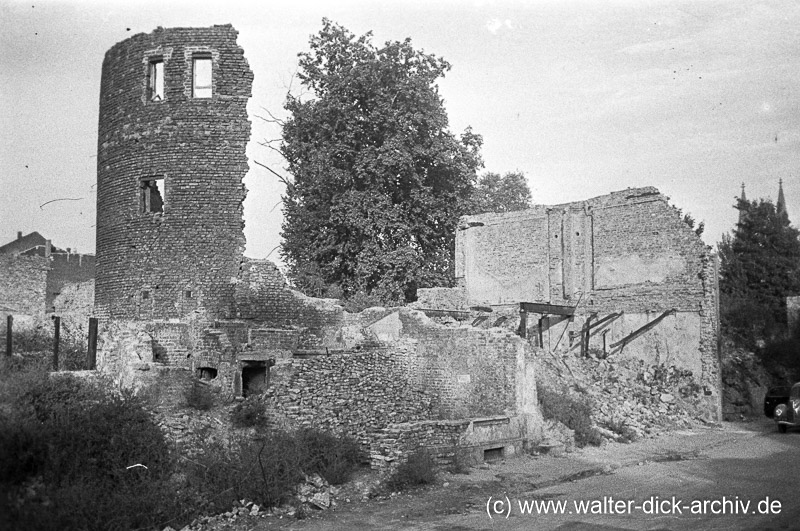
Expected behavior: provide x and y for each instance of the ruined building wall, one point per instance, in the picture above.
(427, 385)
(23, 285)
(180, 260)
(262, 296)
(627, 252)
(67, 269)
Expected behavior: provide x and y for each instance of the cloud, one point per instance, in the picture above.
(495, 25)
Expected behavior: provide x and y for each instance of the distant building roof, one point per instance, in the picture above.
(24, 243)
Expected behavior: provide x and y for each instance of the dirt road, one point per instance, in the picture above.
(735, 476)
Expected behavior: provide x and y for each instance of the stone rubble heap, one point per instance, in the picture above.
(314, 494)
(630, 400)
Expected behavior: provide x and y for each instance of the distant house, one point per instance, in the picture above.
(31, 244)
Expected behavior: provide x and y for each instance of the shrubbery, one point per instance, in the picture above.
(65, 451)
(39, 341)
(570, 411)
(249, 413)
(419, 469)
(74, 456)
(200, 397)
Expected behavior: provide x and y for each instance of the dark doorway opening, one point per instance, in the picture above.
(206, 373)
(255, 377)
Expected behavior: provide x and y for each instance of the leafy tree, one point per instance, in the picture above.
(378, 180)
(506, 193)
(760, 266)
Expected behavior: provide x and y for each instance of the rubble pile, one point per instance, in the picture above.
(629, 399)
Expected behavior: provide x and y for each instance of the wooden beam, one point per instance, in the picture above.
(546, 309)
(640, 331)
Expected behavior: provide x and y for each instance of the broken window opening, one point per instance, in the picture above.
(155, 80)
(188, 294)
(201, 76)
(206, 373)
(145, 295)
(150, 198)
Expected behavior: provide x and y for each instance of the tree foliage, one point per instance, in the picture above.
(760, 266)
(378, 180)
(506, 193)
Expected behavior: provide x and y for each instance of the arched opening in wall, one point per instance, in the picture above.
(206, 373)
(255, 377)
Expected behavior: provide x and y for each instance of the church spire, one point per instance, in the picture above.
(781, 206)
(743, 197)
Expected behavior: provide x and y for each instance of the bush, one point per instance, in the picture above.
(200, 397)
(419, 469)
(264, 470)
(65, 451)
(329, 456)
(249, 413)
(621, 428)
(267, 469)
(572, 412)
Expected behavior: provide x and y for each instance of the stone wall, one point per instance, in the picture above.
(67, 269)
(23, 285)
(440, 386)
(263, 296)
(182, 260)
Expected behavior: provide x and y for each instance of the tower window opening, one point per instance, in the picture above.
(155, 80)
(201, 76)
(151, 199)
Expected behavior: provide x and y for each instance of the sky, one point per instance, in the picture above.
(583, 97)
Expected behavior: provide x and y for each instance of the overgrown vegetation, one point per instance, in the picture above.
(572, 412)
(249, 413)
(35, 344)
(75, 456)
(200, 397)
(420, 469)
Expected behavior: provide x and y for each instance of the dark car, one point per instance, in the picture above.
(788, 415)
(775, 396)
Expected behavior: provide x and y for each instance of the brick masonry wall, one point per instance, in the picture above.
(67, 269)
(181, 261)
(23, 285)
(263, 296)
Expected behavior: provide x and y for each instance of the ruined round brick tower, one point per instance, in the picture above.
(170, 162)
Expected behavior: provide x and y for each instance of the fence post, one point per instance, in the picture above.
(56, 340)
(9, 336)
(91, 351)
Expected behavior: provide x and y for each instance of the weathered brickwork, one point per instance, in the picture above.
(628, 252)
(23, 285)
(181, 260)
(67, 269)
(263, 296)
